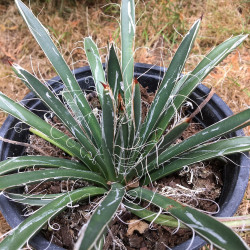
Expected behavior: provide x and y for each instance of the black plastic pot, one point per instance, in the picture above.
(235, 177)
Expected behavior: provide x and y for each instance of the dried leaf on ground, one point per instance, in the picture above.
(136, 225)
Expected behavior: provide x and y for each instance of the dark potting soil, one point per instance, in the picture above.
(198, 185)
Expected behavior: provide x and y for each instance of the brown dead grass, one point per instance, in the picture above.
(155, 40)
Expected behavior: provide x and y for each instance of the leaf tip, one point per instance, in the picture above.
(10, 63)
(120, 102)
(136, 81)
(110, 38)
(105, 86)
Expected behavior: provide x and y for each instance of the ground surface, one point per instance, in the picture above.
(157, 39)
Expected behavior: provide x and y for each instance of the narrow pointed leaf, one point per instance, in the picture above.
(34, 121)
(196, 76)
(23, 178)
(145, 214)
(50, 140)
(43, 38)
(158, 148)
(103, 214)
(114, 73)
(18, 163)
(171, 136)
(223, 127)
(108, 131)
(95, 64)
(79, 117)
(33, 200)
(204, 152)
(207, 227)
(89, 162)
(95, 166)
(127, 36)
(170, 78)
(121, 144)
(24, 231)
(136, 107)
(55, 105)
(167, 140)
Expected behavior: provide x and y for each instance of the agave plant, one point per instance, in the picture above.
(121, 153)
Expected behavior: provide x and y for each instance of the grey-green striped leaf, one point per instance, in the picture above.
(24, 178)
(136, 107)
(100, 219)
(18, 163)
(33, 200)
(55, 105)
(195, 77)
(121, 145)
(43, 38)
(223, 127)
(108, 132)
(95, 64)
(24, 231)
(150, 216)
(114, 73)
(170, 79)
(128, 36)
(79, 117)
(149, 154)
(34, 121)
(202, 153)
(207, 227)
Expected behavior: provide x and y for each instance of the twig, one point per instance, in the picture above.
(24, 145)
(201, 106)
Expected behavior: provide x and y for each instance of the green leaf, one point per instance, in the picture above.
(32, 200)
(23, 178)
(158, 148)
(114, 73)
(53, 135)
(170, 79)
(195, 77)
(145, 214)
(18, 163)
(202, 153)
(170, 137)
(128, 36)
(42, 36)
(121, 145)
(136, 107)
(108, 131)
(80, 119)
(95, 64)
(223, 127)
(207, 227)
(55, 105)
(103, 214)
(24, 231)
(50, 140)
(240, 222)
(34, 121)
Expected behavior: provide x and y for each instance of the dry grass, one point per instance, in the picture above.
(156, 42)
